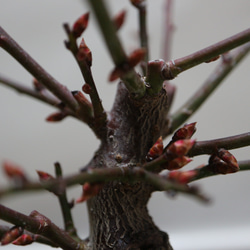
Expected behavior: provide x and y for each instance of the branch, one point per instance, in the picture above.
(175, 67)
(195, 101)
(231, 142)
(131, 79)
(39, 224)
(142, 10)
(168, 29)
(205, 171)
(60, 91)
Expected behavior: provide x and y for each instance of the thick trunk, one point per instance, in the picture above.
(118, 215)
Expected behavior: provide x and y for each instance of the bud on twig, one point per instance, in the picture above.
(84, 53)
(56, 117)
(80, 25)
(86, 88)
(182, 177)
(23, 240)
(136, 56)
(89, 190)
(185, 132)
(180, 147)
(11, 235)
(14, 172)
(156, 150)
(44, 176)
(119, 19)
(178, 163)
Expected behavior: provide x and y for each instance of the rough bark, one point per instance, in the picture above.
(118, 215)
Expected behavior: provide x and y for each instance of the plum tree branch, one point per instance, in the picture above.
(60, 91)
(198, 98)
(231, 142)
(132, 80)
(174, 67)
(39, 224)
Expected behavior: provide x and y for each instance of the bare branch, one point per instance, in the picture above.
(168, 29)
(175, 67)
(39, 224)
(216, 78)
(231, 142)
(9, 45)
(132, 80)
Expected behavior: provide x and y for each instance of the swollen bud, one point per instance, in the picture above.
(56, 117)
(180, 147)
(14, 171)
(182, 177)
(44, 176)
(185, 132)
(80, 25)
(11, 235)
(89, 190)
(178, 163)
(84, 53)
(156, 150)
(119, 19)
(23, 240)
(136, 56)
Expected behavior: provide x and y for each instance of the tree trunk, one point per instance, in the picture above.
(118, 215)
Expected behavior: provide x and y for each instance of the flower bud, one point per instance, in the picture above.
(182, 177)
(178, 163)
(185, 132)
(44, 176)
(156, 150)
(23, 240)
(56, 117)
(80, 25)
(84, 53)
(136, 56)
(14, 171)
(11, 235)
(86, 88)
(119, 19)
(89, 190)
(180, 147)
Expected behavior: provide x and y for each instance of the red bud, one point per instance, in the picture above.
(89, 190)
(14, 171)
(56, 117)
(115, 74)
(185, 132)
(23, 240)
(136, 56)
(178, 163)
(182, 177)
(44, 176)
(11, 235)
(81, 99)
(84, 53)
(80, 25)
(156, 150)
(227, 157)
(86, 88)
(180, 147)
(119, 19)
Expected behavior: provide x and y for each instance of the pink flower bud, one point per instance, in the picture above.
(23, 240)
(136, 56)
(11, 235)
(44, 176)
(14, 171)
(56, 117)
(156, 150)
(178, 163)
(182, 177)
(119, 19)
(185, 132)
(89, 190)
(180, 147)
(80, 25)
(84, 53)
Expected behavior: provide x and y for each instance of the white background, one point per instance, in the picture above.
(35, 144)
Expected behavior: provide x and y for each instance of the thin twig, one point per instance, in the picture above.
(132, 80)
(65, 206)
(39, 224)
(9, 45)
(174, 67)
(209, 147)
(167, 29)
(199, 97)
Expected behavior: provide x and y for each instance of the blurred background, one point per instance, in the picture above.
(27, 139)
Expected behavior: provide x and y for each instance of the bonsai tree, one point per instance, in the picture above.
(132, 160)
